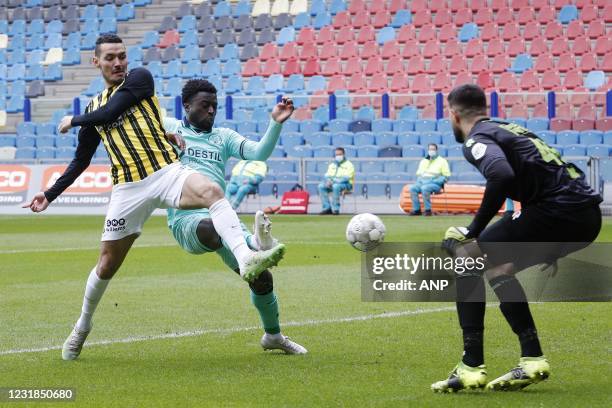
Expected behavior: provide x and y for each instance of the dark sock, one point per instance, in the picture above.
(514, 306)
(471, 311)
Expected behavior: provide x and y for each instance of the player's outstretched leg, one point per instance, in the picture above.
(461, 378)
(259, 261)
(263, 231)
(530, 370)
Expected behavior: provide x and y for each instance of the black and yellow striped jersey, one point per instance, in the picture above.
(130, 127)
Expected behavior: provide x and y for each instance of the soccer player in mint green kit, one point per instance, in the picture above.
(207, 151)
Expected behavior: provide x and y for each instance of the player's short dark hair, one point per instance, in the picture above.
(468, 101)
(193, 86)
(106, 38)
(434, 145)
(341, 148)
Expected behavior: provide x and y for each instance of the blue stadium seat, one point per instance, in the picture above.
(18, 27)
(173, 87)
(45, 153)
(454, 151)
(229, 124)
(246, 127)
(568, 13)
(291, 139)
(385, 139)
(155, 68)
(134, 53)
(16, 72)
(35, 72)
(318, 139)
(53, 72)
(232, 86)
(24, 153)
(448, 139)
(591, 137)
(408, 138)
(222, 8)
(443, 125)
(470, 177)
(191, 55)
(189, 40)
(43, 140)
(519, 121)
(282, 166)
(367, 151)
(295, 84)
(53, 40)
(522, 63)
(573, 150)
(90, 26)
(408, 112)
(351, 151)
(299, 151)
(89, 41)
(65, 152)
(339, 125)
(316, 83)
(287, 34)
(341, 139)
(46, 128)
(363, 138)
(385, 34)
(337, 6)
(594, 80)
(126, 12)
(301, 20)
(537, 124)
(54, 27)
(549, 137)
(211, 68)
(321, 20)
(607, 137)
(291, 126)
(413, 151)
(310, 126)
(36, 27)
(468, 31)
(318, 7)
(321, 114)
(150, 39)
(35, 42)
(8, 140)
(382, 125)
(360, 126)
(241, 114)
(425, 125)
(401, 18)
(344, 113)
(229, 52)
(430, 137)
(242, 8)
(323, 151)
(567, 137)
(173, 69)
(403, 125)
(601, 151)
(90, 12)
(372, 167)
(605, 169)
(187, 24)
(394, 166)
(365, 113)
(255, 86)
(108, 25)
(67, 140)
(274, 83)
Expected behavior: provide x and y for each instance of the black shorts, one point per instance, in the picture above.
(540, 234)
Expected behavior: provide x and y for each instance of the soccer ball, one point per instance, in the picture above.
(365, 231)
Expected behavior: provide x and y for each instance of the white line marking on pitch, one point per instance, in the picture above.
(195, 333)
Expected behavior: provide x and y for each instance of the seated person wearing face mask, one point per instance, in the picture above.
(340, 177)
(246, 176)
(432, 173)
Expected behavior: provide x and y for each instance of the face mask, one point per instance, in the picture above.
(433, 154)
(339, 158)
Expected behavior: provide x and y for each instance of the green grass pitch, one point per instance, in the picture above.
(175, 329)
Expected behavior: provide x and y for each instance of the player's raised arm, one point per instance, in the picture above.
(86, 148)
(263, 149)
(138, 85)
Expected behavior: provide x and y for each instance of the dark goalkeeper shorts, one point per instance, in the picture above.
(557, 231)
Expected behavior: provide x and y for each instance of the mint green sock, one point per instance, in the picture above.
(267, 306)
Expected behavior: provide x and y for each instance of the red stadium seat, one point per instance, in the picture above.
(526, 15)
(607, 14)
(381, 18)
(437, 6)
(447, 32)
(553, 30)
(538, 47)
(416, 65)
(345, 34)
(396, 5)
(603, 45)
(442, 17)
(532, 31)
(306, 35)
(421, 84)
(427, 32)
(485, 81)
(543, 63)
(546, 15)
(483, 16)
(361, 19)
(419, 5)
(269, 50)
(498, 4)
(463, 16)
(374, 65)
(560, 3)
(584, 123)
(489, 32)
(464, 78)
(452, 48)
(428, 109)
(539, 4)
(456, 5)
(510, 32)
(399, 83)
(529, 81)
(563, 110)
(560, 124)
(406, 33)
(357, 83)
(170, 37)
(369, 49)
(476, 5)
(587, 111)
(495, 48)
(589, 13)
(352, 66)
(575, 28)
(437, 64)
(519, 4)
(326, 35)
(378, 83)
(421, 18)
(335, 83)
(540, 110)
(559, 46)
(431, 49)
(390, 49)
(504, 16)
(366, 34)
(342, 19)
(292, 66)
(250, 68)
(441, 82)
(329, 50)
(607, 65)
(603, 124)
(507, 83)
(580, 97)
(596, 29)
(474, 47)
(308, 50)
(356, 6)
(332, 67)
(289, 50)
(395, 64)
(516, 47)
(376, 6)
(411, 48)
(588, 63)
(479, 64)
(573, 80)
(581, 46)
(311, 67)
(551, 81)
(271, 67)
(518, 110)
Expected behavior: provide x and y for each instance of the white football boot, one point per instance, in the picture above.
(280, 342)
(262, 229)
(74, 344)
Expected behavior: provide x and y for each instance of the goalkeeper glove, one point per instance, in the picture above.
(454, 237)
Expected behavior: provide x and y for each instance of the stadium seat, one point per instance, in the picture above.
(567, 137)
(537, 124)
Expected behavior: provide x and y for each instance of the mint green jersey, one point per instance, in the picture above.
(208, 152)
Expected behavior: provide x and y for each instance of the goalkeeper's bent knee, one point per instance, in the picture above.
(263, 284)
(207, 235)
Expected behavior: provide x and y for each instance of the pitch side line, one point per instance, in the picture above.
(195, 333)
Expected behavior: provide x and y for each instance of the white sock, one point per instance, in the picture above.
(228, 227)
(93, 293)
